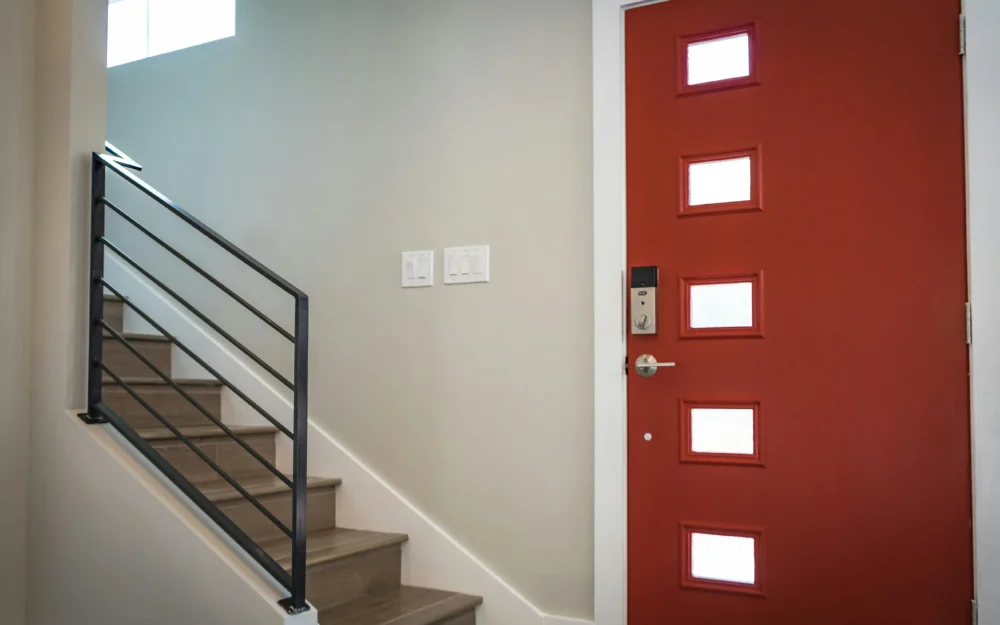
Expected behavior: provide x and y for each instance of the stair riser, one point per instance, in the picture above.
(114, 314)
(341, 581)
(225, 452)
(166, 401)
(321, 513)
(125, 364)
(469, 618)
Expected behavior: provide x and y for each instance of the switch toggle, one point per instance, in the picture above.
(418, 269)
(464, 265)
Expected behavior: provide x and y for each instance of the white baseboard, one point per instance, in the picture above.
(432, 557)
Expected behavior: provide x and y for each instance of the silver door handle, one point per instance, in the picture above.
(646, 365)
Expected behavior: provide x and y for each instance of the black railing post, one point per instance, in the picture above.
(297, 602)
(96, 275)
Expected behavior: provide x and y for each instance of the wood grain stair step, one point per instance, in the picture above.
(134, 336)
(406, 605)
(158, 381)
(321, 507)
(119, 357)
(344, 565)
(332, 544)
(203, 432)
(219, 447)
(114, 312)
(165, 400)
(259, 487)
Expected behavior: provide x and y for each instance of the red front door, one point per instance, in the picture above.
(796, 176)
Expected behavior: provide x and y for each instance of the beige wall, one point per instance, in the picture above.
(69, 95)
(16, 74)
(329, 136)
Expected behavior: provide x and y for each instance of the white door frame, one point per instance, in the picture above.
(610, 447)
(610, 418)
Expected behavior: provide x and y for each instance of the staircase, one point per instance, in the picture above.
(351, 576)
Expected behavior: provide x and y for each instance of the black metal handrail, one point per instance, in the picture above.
(99, 412)
(201, 272)
(115, 163)
(201, 362)
(197, 450)
(108, 245)
(198, 406)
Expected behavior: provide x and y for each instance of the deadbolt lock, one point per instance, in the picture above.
(643, 300)
(643, 321)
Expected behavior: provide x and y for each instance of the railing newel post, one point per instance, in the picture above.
(95, 354)
(300, 459)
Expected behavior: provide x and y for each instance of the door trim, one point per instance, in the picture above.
(610, 416)
(610, 450)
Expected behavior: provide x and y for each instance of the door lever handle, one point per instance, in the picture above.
(646, 365)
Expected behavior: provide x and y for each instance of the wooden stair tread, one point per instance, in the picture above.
(219, 492)
(406, 605)
(160, 381)
(331, 544)
(133, 336)
(110, 297)
(203, 431)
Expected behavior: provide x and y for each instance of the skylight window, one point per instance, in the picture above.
(138, 29)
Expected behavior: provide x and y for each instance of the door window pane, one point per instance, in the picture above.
(722, 430)
(718, 59)
(723, 558)
(723, 305)
(719, 182)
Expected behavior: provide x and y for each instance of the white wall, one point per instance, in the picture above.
(329, 136)
(16, 93)
(983, 145)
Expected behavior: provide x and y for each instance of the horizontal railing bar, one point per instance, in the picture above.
(184, 439)
(194, 494)
(192, 221)
(240, 346)
(194, 402)
(184, 348)
(204, 274)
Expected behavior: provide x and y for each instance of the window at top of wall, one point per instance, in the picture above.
(138, 29)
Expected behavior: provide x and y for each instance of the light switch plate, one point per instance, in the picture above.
(464, 265)
(418, 269)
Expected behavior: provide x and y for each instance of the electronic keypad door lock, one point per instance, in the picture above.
(643, 300)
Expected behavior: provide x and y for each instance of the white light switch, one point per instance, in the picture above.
(418, 269)
(463, 265)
